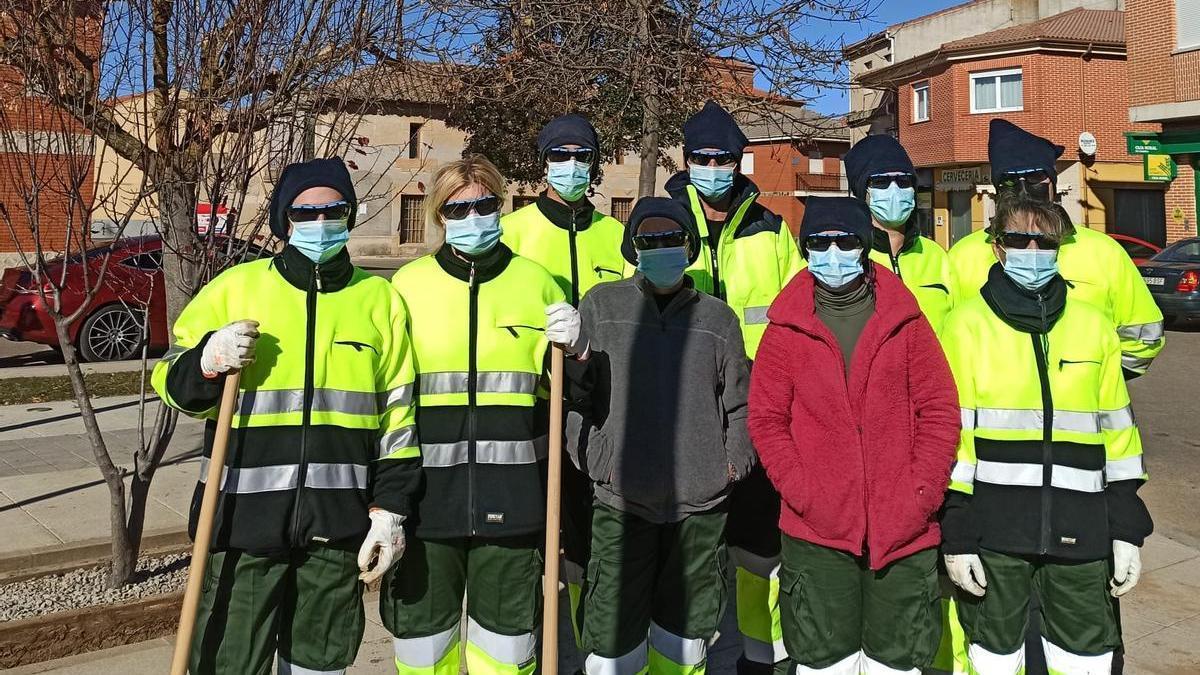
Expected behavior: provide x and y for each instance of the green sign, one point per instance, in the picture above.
(1143, 146)
(1158, 168)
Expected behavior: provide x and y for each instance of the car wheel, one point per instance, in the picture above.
(112, 334)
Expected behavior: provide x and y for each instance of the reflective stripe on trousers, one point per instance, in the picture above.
(870, 666)
(431, 655)
(851, 665)
(758, 606)
(249, 480)
(443, 455)
(1062, 662)
(670, 653)
(635, 662)
(285, 668)
(493, 382)
(490, 653)
(988, 663)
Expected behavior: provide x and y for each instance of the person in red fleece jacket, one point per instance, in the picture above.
(855, 416)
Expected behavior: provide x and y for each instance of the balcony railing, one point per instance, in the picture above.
(820, 182)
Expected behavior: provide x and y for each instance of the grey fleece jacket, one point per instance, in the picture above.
(663, 398)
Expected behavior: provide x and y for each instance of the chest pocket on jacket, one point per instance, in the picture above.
(352, 358)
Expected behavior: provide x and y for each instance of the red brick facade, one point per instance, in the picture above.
(781, 170)
(1064, 94)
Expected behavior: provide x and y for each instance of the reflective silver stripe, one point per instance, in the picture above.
(763, 568)
(1030, 475)
(968, 418)
(1116, 420)
(763, 652)
(1080, 480)
(678, 650)
(1124, 469)
(252, 479)
(400, 396)
(1005, 473)
(494, 382)
(1135, 363)
(1032, 420)
(755, 315)
(279, 401)
(964, 472)
(336, 476)
(425, 652)
(286, 668)
(443, 455)
(513, 650)
(636, 660)
(1059, 660)
(1149, 333)
(394, 440)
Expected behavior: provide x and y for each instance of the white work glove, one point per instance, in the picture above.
(1127, 567)
(384, 544)
(229, 348)
(966, 571)
(564, 328)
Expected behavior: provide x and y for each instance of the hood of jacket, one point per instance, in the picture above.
(796, 305)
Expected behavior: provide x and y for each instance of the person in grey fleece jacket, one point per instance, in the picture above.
(663, 385)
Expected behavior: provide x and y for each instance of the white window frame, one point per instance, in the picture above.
(995, 75)
(748, 163)
(916, 100)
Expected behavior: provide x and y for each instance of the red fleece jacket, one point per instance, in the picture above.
(862, 463)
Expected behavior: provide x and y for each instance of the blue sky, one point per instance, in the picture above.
(887, 13)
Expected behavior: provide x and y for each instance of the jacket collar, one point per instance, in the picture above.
(743, 189)
(1021, 309)
(561, 214)
(796, 305)
(911, 234)
(295, 267)
(488, 266)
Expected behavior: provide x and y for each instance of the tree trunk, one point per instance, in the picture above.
(648, 171)
(146, 463)
(181, 263)
(124, 562)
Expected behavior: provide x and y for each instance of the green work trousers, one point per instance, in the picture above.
(307, 604)
(654, 592)
(837, 611)
(421, 604)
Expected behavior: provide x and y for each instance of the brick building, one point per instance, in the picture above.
(1164, 88)
(1060, 77)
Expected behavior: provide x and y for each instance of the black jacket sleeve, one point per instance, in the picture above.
(188, 387)
(959, 535)
(1128, 518)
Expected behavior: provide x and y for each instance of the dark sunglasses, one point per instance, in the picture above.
(307, 213)
(719, 158)
(822, 242)
(484, 206)
(653, 240)
(565, 155)
(884, 182)
(1036, 184)
(1021, 240)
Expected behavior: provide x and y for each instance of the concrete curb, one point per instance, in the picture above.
(44, 560)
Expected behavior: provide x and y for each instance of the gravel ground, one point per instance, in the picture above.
(85, 587)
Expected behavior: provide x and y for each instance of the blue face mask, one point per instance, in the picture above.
(892, 205)
(834, 267)
(663, 267)
(320, 240)
(570, 179)
(474, 234)
(711, 181)
(1030, 267)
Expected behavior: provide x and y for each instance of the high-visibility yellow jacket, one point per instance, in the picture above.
(1099, 272)
(480, 346)
(1050, 453)
(755, 257)
(925, 269)
(579, 247)
(325, 425)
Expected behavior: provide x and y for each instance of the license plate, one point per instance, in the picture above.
(1155, 281)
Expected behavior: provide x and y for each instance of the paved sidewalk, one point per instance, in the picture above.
(56, 369)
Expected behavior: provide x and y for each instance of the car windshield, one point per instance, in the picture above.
(1184, 251)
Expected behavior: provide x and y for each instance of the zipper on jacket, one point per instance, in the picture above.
(472, 388)
(716, 269)
(895, 264)
(314, 286)
(574, 263)
(1041, 351)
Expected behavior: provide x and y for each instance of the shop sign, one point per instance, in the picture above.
(1158, 168)
(964, 179)
(1143, 146)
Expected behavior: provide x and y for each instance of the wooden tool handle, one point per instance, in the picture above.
(553, 502)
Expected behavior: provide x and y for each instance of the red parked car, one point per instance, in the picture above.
(1139, 250)
(112, 328)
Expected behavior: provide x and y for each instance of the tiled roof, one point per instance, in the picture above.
(792, 122)
(1086, 26)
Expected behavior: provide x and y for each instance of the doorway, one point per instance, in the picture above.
(1141, 214)
(960, 214)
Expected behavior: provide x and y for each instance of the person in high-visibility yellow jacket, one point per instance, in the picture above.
(747, 255)
(480, 334)
(1043, 496)
(581, 247)
(881, 174)
(323, 464)
(1098, 270)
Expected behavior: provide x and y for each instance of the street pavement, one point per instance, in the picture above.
(50, 496)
